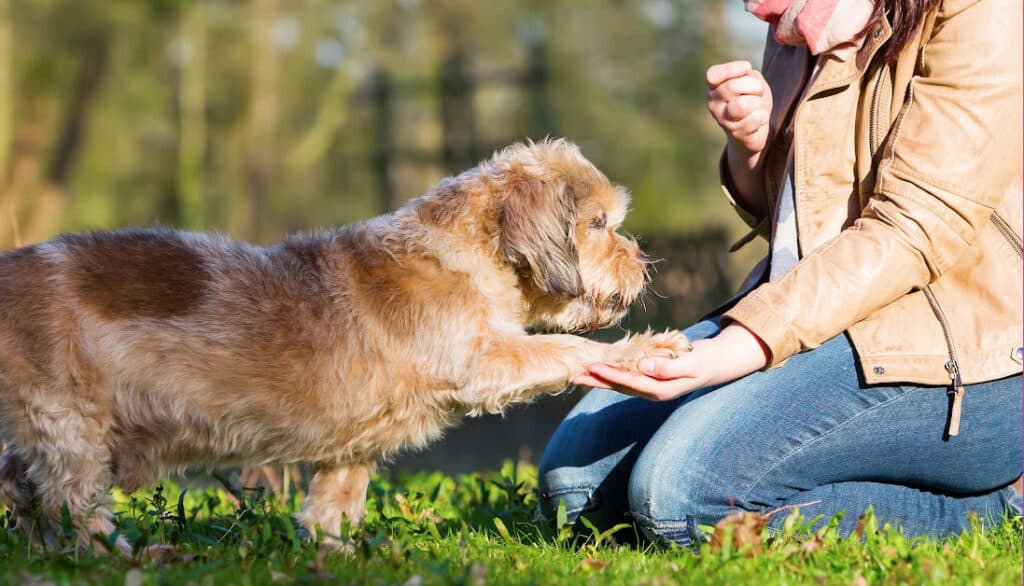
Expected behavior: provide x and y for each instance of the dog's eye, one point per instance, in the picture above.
(599, 222)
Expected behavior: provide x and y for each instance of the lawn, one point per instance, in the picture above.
(480, 529)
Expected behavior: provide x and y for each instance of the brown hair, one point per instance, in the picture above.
(905, 17)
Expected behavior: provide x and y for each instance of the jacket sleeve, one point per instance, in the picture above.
(953, 153)
(729, 189)
(759, 226)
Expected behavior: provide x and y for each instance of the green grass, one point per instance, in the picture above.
(480, 529)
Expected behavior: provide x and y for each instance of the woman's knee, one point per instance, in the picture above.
(575, 461)
(556, 490)
(670, 497)
(681, 479)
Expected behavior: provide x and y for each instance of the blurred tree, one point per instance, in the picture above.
(258, 117)
(192, 117)
(6, 90)
(62, 81)
(263, 116)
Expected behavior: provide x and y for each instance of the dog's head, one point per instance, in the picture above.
(556, 218)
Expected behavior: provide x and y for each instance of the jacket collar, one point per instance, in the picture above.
(835, 73)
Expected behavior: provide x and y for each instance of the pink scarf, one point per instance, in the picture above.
(825, 26)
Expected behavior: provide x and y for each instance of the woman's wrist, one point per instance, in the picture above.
(744, 168)
(748, 353)
(749, 158)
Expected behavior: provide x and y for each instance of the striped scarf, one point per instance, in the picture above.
(825, 26)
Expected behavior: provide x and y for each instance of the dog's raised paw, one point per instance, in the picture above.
(667, 344)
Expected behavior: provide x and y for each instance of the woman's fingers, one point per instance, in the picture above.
(748, 85)
(746, 89)
(619, 376)
(747, 125)
(740, 107)
(669, 368)
(638, 385)
(586, 380)
(717, 74)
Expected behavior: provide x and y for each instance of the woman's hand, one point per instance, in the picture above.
(740, 101)
(733, 353)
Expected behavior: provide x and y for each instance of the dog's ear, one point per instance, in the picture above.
(537, 222)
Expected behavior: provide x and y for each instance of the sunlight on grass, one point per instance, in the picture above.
(481, 529)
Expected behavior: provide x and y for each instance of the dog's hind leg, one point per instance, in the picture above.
(15, 489)
(66, 462)
(18, 493)
(336, 491)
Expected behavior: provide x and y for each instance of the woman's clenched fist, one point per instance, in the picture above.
(740, 101)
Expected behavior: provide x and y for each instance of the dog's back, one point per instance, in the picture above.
(194, 348)
(143, 329)
(25, 302)
(60, 297)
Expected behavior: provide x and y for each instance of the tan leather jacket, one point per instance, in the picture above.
(908, 202)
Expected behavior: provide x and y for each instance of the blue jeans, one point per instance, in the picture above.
(809, 432)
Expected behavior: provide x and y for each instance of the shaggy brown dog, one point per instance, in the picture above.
(129, 353)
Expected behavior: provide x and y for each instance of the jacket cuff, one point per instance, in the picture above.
(756, 315)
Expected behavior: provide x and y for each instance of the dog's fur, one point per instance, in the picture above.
(129, 353)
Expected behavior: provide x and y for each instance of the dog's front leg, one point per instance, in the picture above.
(335, 491)
(514, 370)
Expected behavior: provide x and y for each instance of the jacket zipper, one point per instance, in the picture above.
(956, 390)
(1008, 233)
(875, 98)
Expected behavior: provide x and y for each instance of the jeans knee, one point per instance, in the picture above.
(1012, 500)
(668, 513)
(561, 486)
(601, 505)
(558, 481)
(669, 504)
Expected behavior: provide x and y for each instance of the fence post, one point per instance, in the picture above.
(384, 145)
(456, 88)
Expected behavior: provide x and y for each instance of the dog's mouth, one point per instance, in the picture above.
(592, 311)
(608, 310)
(615, 303)
(606, 299)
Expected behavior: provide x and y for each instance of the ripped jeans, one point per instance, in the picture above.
(809, 431)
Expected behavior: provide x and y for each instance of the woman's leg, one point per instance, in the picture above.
(811, 432)
(589, 458)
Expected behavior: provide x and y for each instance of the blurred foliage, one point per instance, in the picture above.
(257, 118)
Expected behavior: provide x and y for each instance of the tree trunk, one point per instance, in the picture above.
(192, 120)
(6, 88)
(263, 113)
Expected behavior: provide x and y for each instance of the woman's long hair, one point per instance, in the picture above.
(906, 17)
